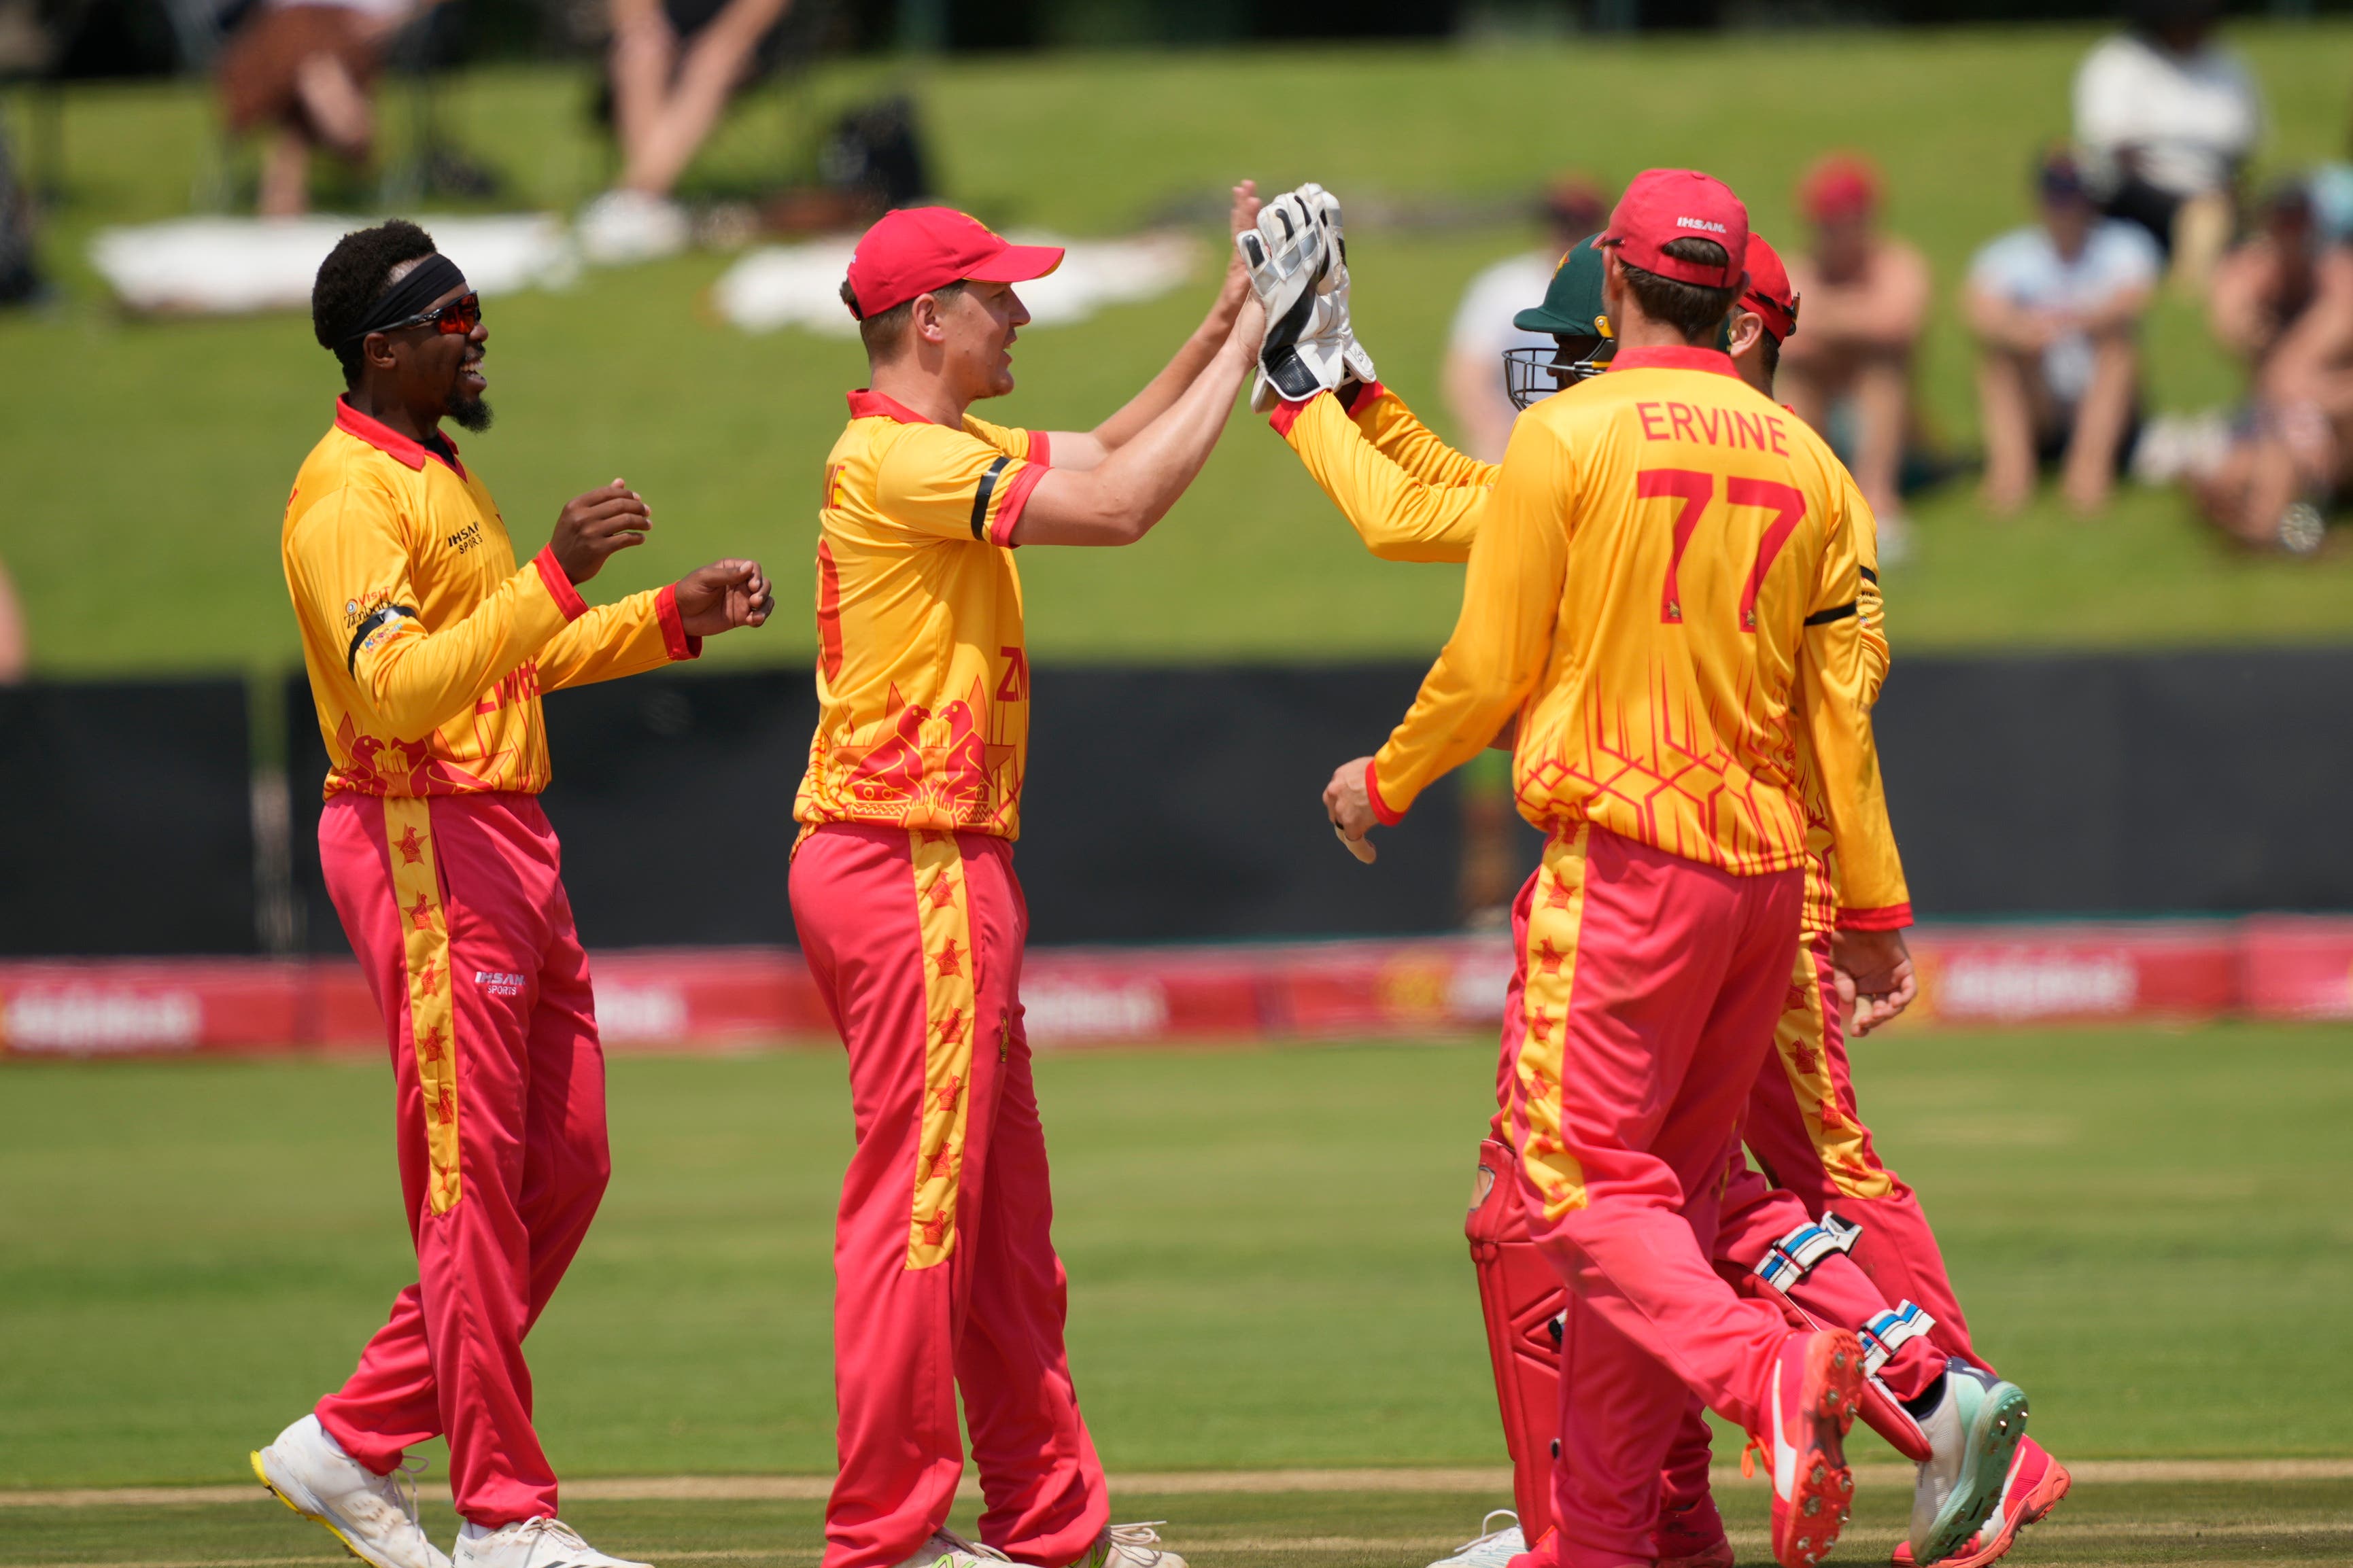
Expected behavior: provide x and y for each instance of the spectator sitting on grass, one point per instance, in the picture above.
(673, 67)
(1573, 210)
(1865, 295)
(2284, 300)
(2056, 307)
(2167, 118)
(307, 69)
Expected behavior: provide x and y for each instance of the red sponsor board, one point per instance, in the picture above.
(2299, 966)
(2075, 974)
(703, 999)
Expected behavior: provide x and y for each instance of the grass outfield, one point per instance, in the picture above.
(2210, 1526)
(148, 461)
(1264, 1248)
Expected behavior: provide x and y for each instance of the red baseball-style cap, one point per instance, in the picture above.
(917, 250)
(1839, 185)
(1768, 293)
(1664, 205)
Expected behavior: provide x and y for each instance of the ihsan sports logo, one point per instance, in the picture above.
(1701, 222)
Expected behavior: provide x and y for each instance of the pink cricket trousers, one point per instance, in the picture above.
(456, 911)
(1647, 993)
(946, 1277)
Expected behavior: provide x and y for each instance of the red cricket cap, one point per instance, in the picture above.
(1664, 205)
(1768, 293)
(1839, 185)
(915, 250)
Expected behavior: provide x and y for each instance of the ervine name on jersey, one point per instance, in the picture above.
(1700, 423)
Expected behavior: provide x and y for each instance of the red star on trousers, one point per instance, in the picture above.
(420, 914)
(942, 893)
(1549, 957)
(945, 1095)
(1540, 1026)
(429, 1042)
(949, 959)
(1556, 894)
(411, 848)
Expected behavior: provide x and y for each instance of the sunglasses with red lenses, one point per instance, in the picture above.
(462, 314)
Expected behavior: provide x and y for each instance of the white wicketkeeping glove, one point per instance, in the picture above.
(1334, 287)
(1288, 256)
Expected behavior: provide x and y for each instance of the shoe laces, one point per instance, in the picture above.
(546, 1527)
(398, 1487)
(1488, 1530)
(1751, 1454)
(970, 1548)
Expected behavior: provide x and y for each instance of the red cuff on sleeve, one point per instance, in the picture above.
(1892, 917)
(1360, 394)
(675, 642)
(1016, 496)
(1373, 793)
(559, 587)
(1286, 414)
(1040, 449)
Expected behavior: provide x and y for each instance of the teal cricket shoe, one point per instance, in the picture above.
(1972, 1435)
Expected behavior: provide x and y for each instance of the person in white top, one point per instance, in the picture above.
(2166, 119)
(2056, 308)
(1865, 295)
(1473, 378)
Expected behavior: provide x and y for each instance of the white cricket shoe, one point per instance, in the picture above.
(532, 1543)
(1130, 1546)
(947, 1549)
(373, 1516)
(1493, 1549)
(622, 227)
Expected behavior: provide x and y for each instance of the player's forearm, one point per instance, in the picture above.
(415, 681)
(1463, 705)
(1398, 518)
(1118, 501)
(1394, 431)
(1834, 711)
(1160, 393)
(626, 638)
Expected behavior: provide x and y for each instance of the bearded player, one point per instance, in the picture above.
(427, 650)
(905, 899)
(1413, 499)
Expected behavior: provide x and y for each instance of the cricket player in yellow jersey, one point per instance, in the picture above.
(428, 649)
(1664, 572)
(905, 901)
(1413, 498)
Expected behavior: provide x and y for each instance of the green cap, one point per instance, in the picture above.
(1572, 306)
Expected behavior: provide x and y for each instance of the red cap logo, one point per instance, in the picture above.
(917, 250)
(1666, 204)
(1768, 293)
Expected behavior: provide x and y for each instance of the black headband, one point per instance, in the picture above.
(430, 278)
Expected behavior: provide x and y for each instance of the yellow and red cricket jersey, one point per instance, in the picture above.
(922, 682)
(1863, 674)
(427, 648)
(1664, 585)
(1409, 495)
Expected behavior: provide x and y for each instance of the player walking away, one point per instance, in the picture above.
(1413, 498)
(907, 906)
(427, 651)
(1638, 592)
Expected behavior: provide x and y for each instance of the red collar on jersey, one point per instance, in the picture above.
(391, 442)
(1715, 359)
(868, 404)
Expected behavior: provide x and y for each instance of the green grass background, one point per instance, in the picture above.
(146, 463)
(1264, 1247)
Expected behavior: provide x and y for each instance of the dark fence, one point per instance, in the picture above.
(126, 818)
(1181, 804)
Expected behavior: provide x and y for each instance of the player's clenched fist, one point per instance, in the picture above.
(724, 595)
(1349, 803)
(594, 525)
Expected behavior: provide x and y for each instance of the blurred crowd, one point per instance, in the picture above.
(2149, 195)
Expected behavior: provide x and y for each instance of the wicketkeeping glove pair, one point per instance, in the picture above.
(1298, 262)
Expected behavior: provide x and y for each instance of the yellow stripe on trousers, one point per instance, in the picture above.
(1556, 911)
(432, 1030)
(943, 908)
(1801, 1039)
